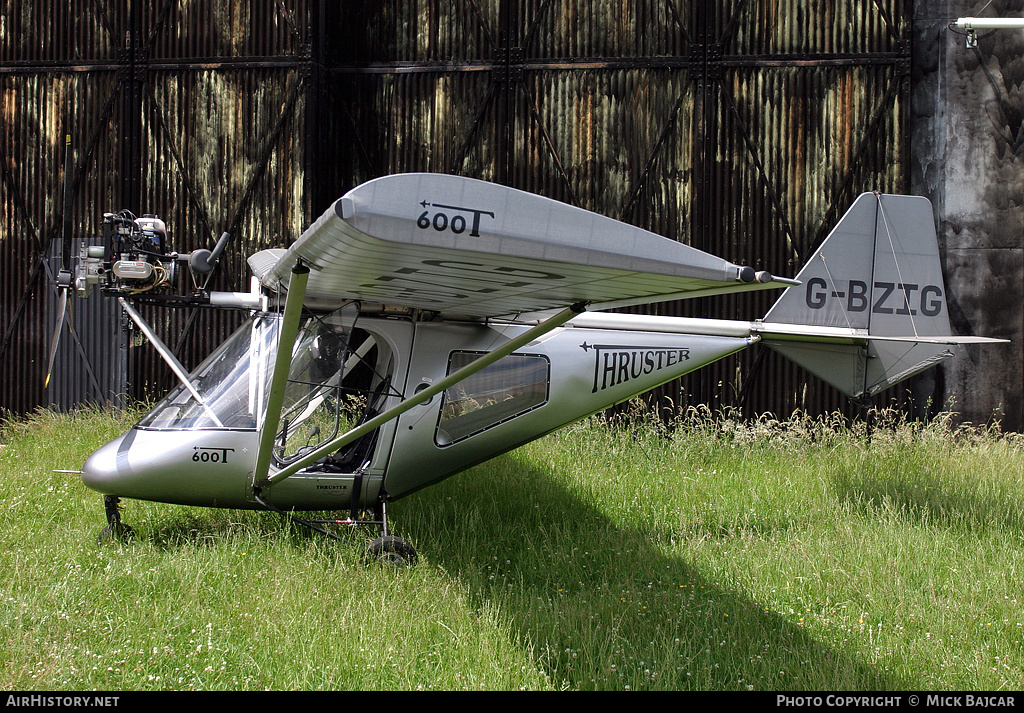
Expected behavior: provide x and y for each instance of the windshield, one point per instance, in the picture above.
(339, 375)
(230, 383)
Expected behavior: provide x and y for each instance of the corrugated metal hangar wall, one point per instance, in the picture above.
(742, 127)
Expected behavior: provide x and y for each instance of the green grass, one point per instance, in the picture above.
(801, 555)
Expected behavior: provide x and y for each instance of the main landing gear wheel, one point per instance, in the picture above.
(392, 550)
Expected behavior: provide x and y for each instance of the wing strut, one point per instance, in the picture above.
(282, 365)
(420, 397)
(167, 355)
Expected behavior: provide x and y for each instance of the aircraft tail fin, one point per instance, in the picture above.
(871, 307)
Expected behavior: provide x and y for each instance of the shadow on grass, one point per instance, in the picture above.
(598, 604)
(208, 526)
(933, 501)
(168, 528)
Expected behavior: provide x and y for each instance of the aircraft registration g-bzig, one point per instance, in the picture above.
(427, 322)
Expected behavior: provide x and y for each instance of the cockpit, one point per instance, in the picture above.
(340, 376)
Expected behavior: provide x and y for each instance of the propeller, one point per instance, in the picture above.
(64, 277)
(62, 306)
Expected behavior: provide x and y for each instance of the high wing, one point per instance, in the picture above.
(464, 247)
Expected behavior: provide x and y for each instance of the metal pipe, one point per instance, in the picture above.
(168, 356)
(989, 23)
(282, 365)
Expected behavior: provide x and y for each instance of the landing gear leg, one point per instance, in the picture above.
(386, 548)
(389, 548)
(115, 529)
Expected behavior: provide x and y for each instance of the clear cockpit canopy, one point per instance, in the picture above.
(338, 374)
(228, 388)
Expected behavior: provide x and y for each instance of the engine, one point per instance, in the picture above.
(133, 258)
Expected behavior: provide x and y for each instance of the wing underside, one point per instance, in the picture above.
(462, 247)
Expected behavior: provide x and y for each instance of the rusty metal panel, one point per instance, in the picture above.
(795, 28)
(43, 35)
(414, 33)
(222, 151)
(385, 122)
(27, 218)
(792, 148)
(612, 140)
(39, 110)
(195, 111)
(97, 32)
(255, 30)
(589, 31)
(742, 127)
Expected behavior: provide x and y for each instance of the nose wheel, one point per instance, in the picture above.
(115, 529)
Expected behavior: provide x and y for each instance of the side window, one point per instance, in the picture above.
(508, 388)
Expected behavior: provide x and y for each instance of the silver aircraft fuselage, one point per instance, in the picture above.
(203, 452)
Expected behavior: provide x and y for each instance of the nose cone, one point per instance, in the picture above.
(185, 467)
(105, 471)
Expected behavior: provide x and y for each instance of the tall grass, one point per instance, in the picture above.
(614, 554)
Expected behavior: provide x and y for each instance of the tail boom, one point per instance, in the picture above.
(869, 309)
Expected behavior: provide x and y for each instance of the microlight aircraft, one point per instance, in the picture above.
(426, 323)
